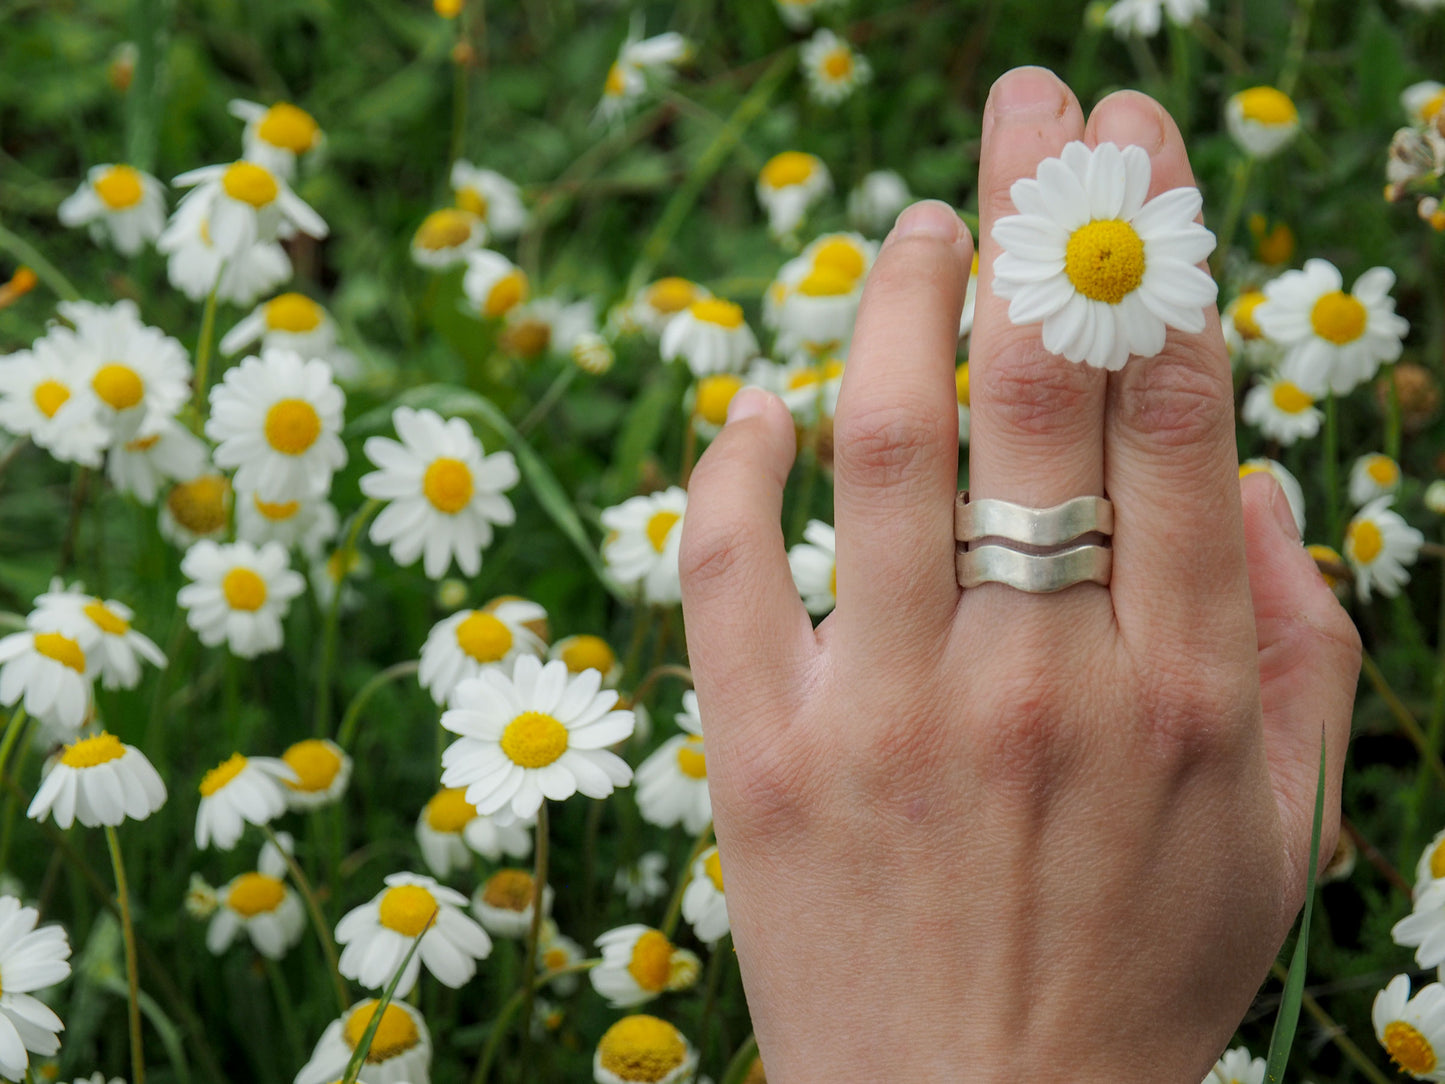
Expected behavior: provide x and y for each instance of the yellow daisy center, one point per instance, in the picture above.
(833, 582)
(509, 291)
(827, 281)
(106, 619)
(447, 9)
(840, 255)
(1383, 471)
(62, 649)
(1275, 245)
(50, 396)
(315, 763)
(277, 512)
(690, 760)
(534, 739)
(671, 294)
(960, 383)
(118, 385)
(395, 1035)
(527, 338)
(1409, 1049)
(407, 909)
(89, 752)
(1339, 318)
(651, 961)
(244, 590)
(255, 894)
(1437, 861)
(292, 426)
(447, 484)
(449, 811)
(588, 653)
(293, 312)
(222, 774)
(1327, 555)
(1363, 541)
(788, 168)
(1432, 106)
(119, 187)
(473, 202)
(248, 183)
(554, 958)
(714, 393)
(509, 890)
(143, 444)
(658, 528)
(713, 868)
(484, 637)
(1266, 105)
(838, 64)
(289, 128)
(444, 229)
(641, 1048)
(1105, 260)
(714, 310)
(616, 84)
(200, 504)
(1289, 398)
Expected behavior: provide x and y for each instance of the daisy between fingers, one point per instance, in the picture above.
(30, 960)
(98, 781)
(378, 935)
(1105, 272)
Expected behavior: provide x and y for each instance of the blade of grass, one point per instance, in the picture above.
(353, 1067)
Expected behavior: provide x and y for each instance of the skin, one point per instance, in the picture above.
(984, 835)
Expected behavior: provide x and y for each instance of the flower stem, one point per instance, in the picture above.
(27, 254)
(351, 718)
(12, 735)
(529, 964)
(132, 970)
(323, 928)
(709, 1001)
(331, 619)
(1238, 187)
(203, 351)
(509, 1009)
(674, 906)
(1294, 55)
(549, 399)
(1332, 467)
(1402, 715)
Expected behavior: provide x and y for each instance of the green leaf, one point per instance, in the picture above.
(353, 1067)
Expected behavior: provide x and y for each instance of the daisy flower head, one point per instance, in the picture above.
(1332, 340)
(875, 204)
(546, 324)
(245, 204)
(833, 70)
(164, 450)
(672, 781)
(1281, 410)
(135, 374)
(494, 284)
(42, 397)
(814, 299)
(638, 964)
(277, 420)
(49, 673)
(1242, 335)
(587, 652)
(450, 830)
(1237, 1067)
(1262, 120)
(707, 400)
(711, 336)
(503, 902)
(400, 1051)
(1434, 498)
(240, 789)
(238, 595)
(378, 935)
(1145, 17)
(1294, 493)
(446, 238)
(798, 14)
(98, 781)
(644, 881)
(641, 545)
(555, 951)
(322, 769)
(703, 903)
(1423, 101)
(592, 353)
(293, 322)
(1104, 271)
(814, 563)
(202, 899)
(643, 1048)
(30, 959)
(103, 629)
(195, 510)
(1371, 476)
(491, 197)
(445, 492)
(262, 905)
(305, 525)
(1412, 1029)
(808, 387)
(536, 733)
(459, 647)
(638, 60)
(119, 204)
(1378, 546)
(277, 136)
(1431, 867)
(788, 185)
(965, 412)
(195, 265)
(658, 302)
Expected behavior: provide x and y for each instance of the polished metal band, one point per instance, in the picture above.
(991, 518)
(1033, 572)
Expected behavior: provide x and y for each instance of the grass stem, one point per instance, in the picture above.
(132, 968)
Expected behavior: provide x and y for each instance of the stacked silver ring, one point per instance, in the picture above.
(1037, 550)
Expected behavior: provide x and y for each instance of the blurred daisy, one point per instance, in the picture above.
(103, 629)
(1372, 476)
(292, 322)
(50, 673)
(238, 594)
(1281, 410)
(331, 574)
(400, 1051)
(644, 881)
(587, 652)
(136, 374)
(833, 70)
(201, 898)
(1434, 498)
(707, 402)
(1326, 557)
(278, 136)
(30, 960)
(641, 545)
(98, 781)
(41, 397)
(449, 830)
(1412, 1029)
(637, 60)
(196, 510)
(546, 324)
(672, 782)
(503, 902)
(875, 204)
(798, 14)
(378, 935)
(638, 964)
(262, 905)
(445, 493)
(1237, 1067)
(1145, 17)
(277, 419)
(304, 525)
(642, 1048)
(491, 197)
(164, 450)
(462, 645)
(239, 790)
(711, 336)
(195, 265)
(703, 903)
(1104, 271)
(1262, 120)
(494, 284)
(1431, 867)
(120, 204)
(537, 733)
(556, 951)
(245, 204)
(1378, 546)
(1293, 491)
(658, 302)
(1333, 340)
(970, 301)
(789, 184)
(322, 769)
(1242, 334)
(592, 353)
(1423, 101)
(814, 563)
(809, 388)
(965, 413)
(446, 238)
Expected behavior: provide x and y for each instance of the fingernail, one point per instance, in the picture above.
(1129, 119)
(928, 218)
(747, 402)
(1027, 93)
(1283, 514)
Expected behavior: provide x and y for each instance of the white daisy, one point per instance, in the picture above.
(305, 525)
(644, 881)
(201, 898)
(503, 902)
(1372, 476)
(119, 203)
(1237, 1067)
(817, 314)
(1423, 101)
(555, 951)
(789, 184)
(41, 397)
(294, 322)
(278, 136)
(196, 510)
(1431, 867)
(965, 412)
(711, 336)
(833, 70)
(1262, 120)
(703, 903)
(239, 594)
(494, 284)
(875, 204)
(400, 1051)
(460, 647)
(103, 629)
(491, 197)
(51, 672)
(195, 265)
(1281, 410)
(546, 324)
(1247, 343)
(1434, 498)
(658, 302)
(449, 830)
(322, 769)
(98, 781)
(638, 964)
(446, 238)
(588, 652)
(1145, 17)
(260, 903)
(641, 545)
(814, 563)
(167, 452)
(245, 204)
(1333, 340)
(592, 353)
(136, 374)
(445, 493)
(1412, 1029)
(808, 387)
(672, 782)
(643, 1048)
(277, 419)
(1294, 493)
(1378, 546)
(333, 572)
(239, 790)
(537, 733)
(30, 960)
(637, 60)
(378, 935)
(1104, 271)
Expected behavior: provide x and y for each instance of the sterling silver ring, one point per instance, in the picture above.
(992, 518)
(1033, 572)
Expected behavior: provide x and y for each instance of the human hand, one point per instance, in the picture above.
(970, 835)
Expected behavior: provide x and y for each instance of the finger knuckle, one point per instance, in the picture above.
(1192, 712)
(1022, 738)
(710, 553)
(1182, 399)
(880, 447)
(1037, 395)
(766, 787)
